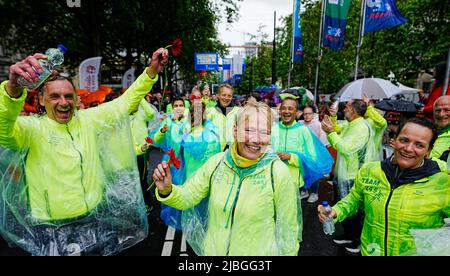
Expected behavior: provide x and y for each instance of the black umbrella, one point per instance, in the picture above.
(401, 106)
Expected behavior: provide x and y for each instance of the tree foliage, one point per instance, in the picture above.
(124, 33)
(405, 50)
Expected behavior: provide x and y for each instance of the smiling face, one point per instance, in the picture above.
(288, 111)
(225, 96)
(441, 112)
(59, 99)
(178, 108)
(412, 145)
(252, 133)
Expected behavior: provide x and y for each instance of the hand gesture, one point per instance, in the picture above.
(327, 124)
(333, 109)
(164, 129)
(322, 216)
(163, 179)
(159, 59)
(367, 100)
(284, 156)
(24, 69)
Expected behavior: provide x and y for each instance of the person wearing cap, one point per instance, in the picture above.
(76, 197)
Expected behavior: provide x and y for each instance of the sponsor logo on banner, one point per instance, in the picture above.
(89, 71)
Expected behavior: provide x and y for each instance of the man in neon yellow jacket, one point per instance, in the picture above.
(307, 158)
(253, 204)
(441, 113)
(405, 192)
(355, 146)
(224, 115)
(65, 151)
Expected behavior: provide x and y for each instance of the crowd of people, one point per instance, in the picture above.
(75, 181)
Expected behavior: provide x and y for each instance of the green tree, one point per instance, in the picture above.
(124, 33)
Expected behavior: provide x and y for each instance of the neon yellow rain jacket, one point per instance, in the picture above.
(355, 146)
(246, 216)
(224, 123)
(442, 143)
(63, 172)
(138, 123)
(395, 202)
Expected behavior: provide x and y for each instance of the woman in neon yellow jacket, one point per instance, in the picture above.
(72, 173)
(249, 191)
(194, 148)
(405, 192)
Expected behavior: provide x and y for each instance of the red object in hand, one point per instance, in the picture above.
(173, 159)
(149, 140)
(177, 46)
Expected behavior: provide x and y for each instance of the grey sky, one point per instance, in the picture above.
(253, 13)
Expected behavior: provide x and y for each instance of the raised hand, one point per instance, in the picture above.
(163, 179)
(159, 59)
(23, 69)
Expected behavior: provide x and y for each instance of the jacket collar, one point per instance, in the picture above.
(397, 177)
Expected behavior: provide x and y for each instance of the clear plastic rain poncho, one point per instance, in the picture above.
(194, 150)
(297, 139)
(356, 145)
(252, 211)
(75, 188)
(432, 242)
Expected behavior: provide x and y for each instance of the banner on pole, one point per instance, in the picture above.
(382, 14)
(89, 70)
(128, 79)
(335, 23)
(298, 46)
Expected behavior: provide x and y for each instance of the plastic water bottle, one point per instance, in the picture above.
(328, 224)
(55, 56)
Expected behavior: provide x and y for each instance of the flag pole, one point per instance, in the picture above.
(291, 61)
(362, 22)
(444, 89)
(274, 53)
(319, 52)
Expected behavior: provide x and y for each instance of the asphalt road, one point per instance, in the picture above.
(162, 241)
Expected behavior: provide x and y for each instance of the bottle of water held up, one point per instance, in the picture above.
(328, 224)
(55, 56)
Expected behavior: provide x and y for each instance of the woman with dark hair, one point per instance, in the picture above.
(407, 191)
(436, 89)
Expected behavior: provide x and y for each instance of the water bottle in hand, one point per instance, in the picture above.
(328, 224)
(55, 56)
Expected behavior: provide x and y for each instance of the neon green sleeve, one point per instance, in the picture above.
(350, 204)
(127, 103)
(337, 127)
(375, 116)
(294, 160)
(288, 210)
(194, 189)
(14, 131)
(352, 144)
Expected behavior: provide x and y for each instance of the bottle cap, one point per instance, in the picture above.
(62, 48)
(324, 203)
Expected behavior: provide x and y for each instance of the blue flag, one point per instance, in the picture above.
(298, 47)
(336, 12)
(382, 14)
